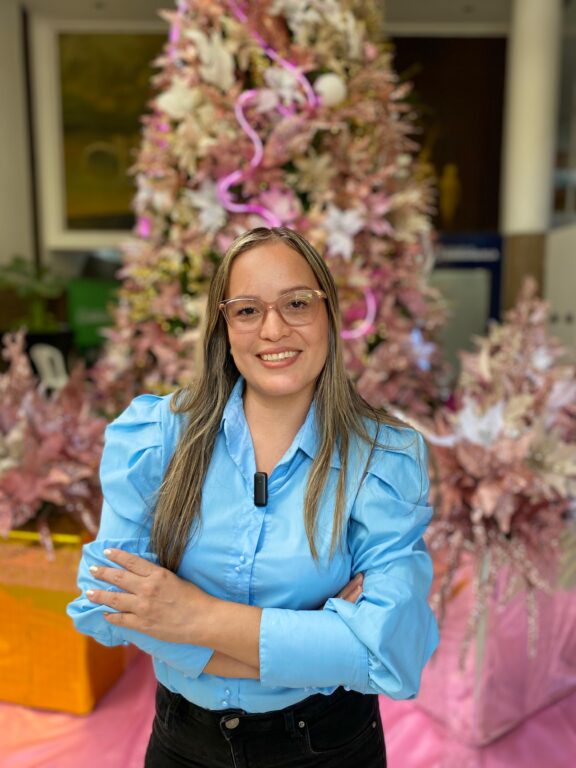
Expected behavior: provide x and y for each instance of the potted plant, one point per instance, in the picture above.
(50, 446)
(504, 463)
(38, 289)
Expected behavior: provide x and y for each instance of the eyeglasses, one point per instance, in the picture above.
(298, 307)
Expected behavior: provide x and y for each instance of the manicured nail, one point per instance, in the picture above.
(93, 568)
(107, 552)
(90, 592)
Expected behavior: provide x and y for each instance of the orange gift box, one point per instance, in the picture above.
(44, 661)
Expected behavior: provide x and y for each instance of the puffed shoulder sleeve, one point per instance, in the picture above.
(132, 467)
(380, 643)
(137, 449)
(392, 618)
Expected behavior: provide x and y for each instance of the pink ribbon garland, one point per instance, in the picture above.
(367, 325)
(143, 227)
(224, 184)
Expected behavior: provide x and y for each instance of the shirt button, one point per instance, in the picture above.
(227, 692)
(242, 559)
(237, 569)
(224, 703)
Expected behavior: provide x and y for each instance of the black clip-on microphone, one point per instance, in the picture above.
(260, 489)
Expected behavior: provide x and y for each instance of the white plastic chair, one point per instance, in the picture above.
(49, 362)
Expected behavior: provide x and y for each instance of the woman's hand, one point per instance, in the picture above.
(353, 589)
(153, 600)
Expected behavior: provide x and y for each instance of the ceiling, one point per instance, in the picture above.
(402, 16)
(397, 11)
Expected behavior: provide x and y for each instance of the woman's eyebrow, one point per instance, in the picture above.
(280, 293)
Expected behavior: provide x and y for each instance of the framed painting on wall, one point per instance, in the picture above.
(91, 85)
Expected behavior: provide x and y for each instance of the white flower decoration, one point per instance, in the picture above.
(179, 100)
(422, 349)
(217, 64)
(147, 195)
(304, 17)
(542, 359)
(340, 227)
(298, 13)
(205, 199)
(481, 429)
(284, 84)
(12, 447)
(266, 100)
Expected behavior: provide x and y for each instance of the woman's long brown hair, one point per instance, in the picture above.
(340, 413)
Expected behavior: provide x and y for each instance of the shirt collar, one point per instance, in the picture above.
(234, 408)
(310, 438)
(307, 438)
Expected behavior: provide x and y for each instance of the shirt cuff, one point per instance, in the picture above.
(190, 662)
(302, 649)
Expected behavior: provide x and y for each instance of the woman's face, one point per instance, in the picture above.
(267, 271)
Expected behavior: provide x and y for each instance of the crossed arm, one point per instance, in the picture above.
(157, 602)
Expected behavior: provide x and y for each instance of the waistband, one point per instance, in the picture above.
(275, 720)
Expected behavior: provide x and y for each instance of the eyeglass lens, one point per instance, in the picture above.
(295, 308)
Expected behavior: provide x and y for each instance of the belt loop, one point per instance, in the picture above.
(289, 723)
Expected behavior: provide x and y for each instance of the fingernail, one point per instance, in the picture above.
(93, 568)
(90, 592)
(107, 552)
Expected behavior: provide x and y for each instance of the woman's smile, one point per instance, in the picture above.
(283, 356)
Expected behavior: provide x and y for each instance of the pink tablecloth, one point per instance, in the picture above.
(116, 733)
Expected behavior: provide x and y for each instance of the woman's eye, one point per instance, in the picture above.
(246, 311)
(297, 304)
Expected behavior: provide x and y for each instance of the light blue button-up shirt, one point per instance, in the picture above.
(310, 641)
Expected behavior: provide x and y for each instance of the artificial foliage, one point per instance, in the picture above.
(504, 461)
(278, 113)
(50, 447)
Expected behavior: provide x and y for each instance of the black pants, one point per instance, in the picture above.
(338, 731)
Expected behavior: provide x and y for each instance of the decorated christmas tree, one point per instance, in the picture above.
(278, 113)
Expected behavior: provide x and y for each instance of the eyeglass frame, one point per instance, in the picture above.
(268, 306)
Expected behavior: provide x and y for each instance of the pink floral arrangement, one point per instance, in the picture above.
(50, 448)
(279, 113)
(504, 457)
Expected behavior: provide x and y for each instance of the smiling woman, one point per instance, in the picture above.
(277, 357)
(282, 612)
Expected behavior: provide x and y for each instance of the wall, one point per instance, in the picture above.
(560, 283)
(15, 206)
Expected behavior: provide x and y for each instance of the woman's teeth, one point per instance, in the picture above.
(278, 356)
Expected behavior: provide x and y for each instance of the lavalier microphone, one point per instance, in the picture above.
(260, 489)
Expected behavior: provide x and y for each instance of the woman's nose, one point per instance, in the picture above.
(273, 326)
